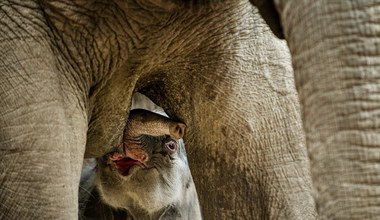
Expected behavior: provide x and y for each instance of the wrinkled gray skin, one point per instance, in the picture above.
(162, 188)
(68, 70)
(335, 54)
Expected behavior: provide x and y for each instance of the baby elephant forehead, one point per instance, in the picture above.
(152, 141)
(141, 121)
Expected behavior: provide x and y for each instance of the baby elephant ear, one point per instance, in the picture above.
(177, 130)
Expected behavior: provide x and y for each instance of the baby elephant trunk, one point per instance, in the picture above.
(141, 122)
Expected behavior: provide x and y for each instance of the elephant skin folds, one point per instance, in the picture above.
(42, 121)
(216, 67)
(335, 52)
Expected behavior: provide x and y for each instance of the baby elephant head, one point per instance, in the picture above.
(148, 175)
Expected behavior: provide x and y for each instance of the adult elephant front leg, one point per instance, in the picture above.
(43, 121)
(335, 51)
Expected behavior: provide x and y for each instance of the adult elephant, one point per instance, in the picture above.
(335, 52)
(67, 73)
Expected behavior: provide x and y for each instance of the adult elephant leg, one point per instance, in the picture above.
(335, 50)
(247, 149)
(42, 122)
(244, 139)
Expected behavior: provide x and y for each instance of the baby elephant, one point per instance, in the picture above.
(148, 175)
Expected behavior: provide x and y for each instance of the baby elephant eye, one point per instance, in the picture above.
(170, 146)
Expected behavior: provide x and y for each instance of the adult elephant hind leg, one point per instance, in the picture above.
(335, 51)
(42, 124)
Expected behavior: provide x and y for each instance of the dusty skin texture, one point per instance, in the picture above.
(67, 73)
(335, 47)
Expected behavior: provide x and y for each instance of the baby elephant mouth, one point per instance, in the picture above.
(123, 163)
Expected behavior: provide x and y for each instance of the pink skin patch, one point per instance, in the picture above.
(134, 155)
